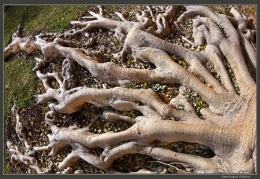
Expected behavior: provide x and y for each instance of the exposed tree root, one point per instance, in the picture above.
(227, 126)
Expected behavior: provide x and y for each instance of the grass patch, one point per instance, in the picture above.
(7, 166)
(12, 18)
(53, 18)
(19, 84)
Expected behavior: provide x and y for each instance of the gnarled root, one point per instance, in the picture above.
(226, 126)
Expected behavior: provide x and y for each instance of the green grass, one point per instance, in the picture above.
(7, 167)
(51, 18)
(37, 18)
(19, 84)
(12, 18)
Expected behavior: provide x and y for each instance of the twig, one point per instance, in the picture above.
(187, 40)
(168, 164)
